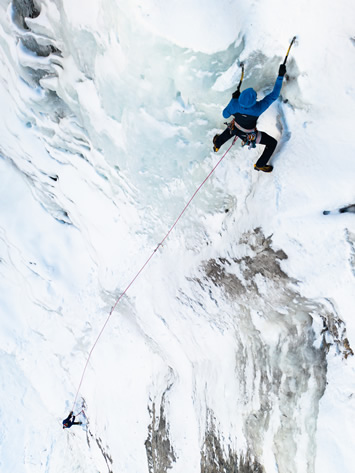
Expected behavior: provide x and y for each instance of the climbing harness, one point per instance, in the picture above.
(251, 136)
(143, 267)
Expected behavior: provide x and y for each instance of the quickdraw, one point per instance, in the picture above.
(250, 139)
(231, 126)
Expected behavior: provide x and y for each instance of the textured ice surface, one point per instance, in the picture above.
(233, 350)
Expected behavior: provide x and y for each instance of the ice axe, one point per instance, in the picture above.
(236, 94)
(242, 76)
(288, 51)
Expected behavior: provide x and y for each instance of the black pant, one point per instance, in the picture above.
(267, 140)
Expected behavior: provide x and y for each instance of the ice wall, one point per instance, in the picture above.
(215, 359)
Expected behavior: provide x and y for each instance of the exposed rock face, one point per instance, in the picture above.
(160, 453)
(277, 361)
(215, 459)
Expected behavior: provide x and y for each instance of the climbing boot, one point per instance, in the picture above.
(215, 149)
(266, 168)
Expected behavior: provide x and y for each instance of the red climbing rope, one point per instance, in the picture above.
(142, 268)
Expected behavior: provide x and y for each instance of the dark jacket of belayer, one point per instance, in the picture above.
(69, 421)
(246, 109)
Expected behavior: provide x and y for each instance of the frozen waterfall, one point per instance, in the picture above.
(232, 352)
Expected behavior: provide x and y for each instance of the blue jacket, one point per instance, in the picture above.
(247, 105)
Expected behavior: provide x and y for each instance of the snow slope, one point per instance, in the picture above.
(232, 350)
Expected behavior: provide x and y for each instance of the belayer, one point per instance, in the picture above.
(69, 421)
(246, 111)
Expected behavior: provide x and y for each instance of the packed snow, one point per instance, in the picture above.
(233, 348)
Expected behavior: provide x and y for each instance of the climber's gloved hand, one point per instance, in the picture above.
(236, 94)
(282, 70)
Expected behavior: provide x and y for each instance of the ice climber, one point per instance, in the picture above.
(246, 111)
(69, 421)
